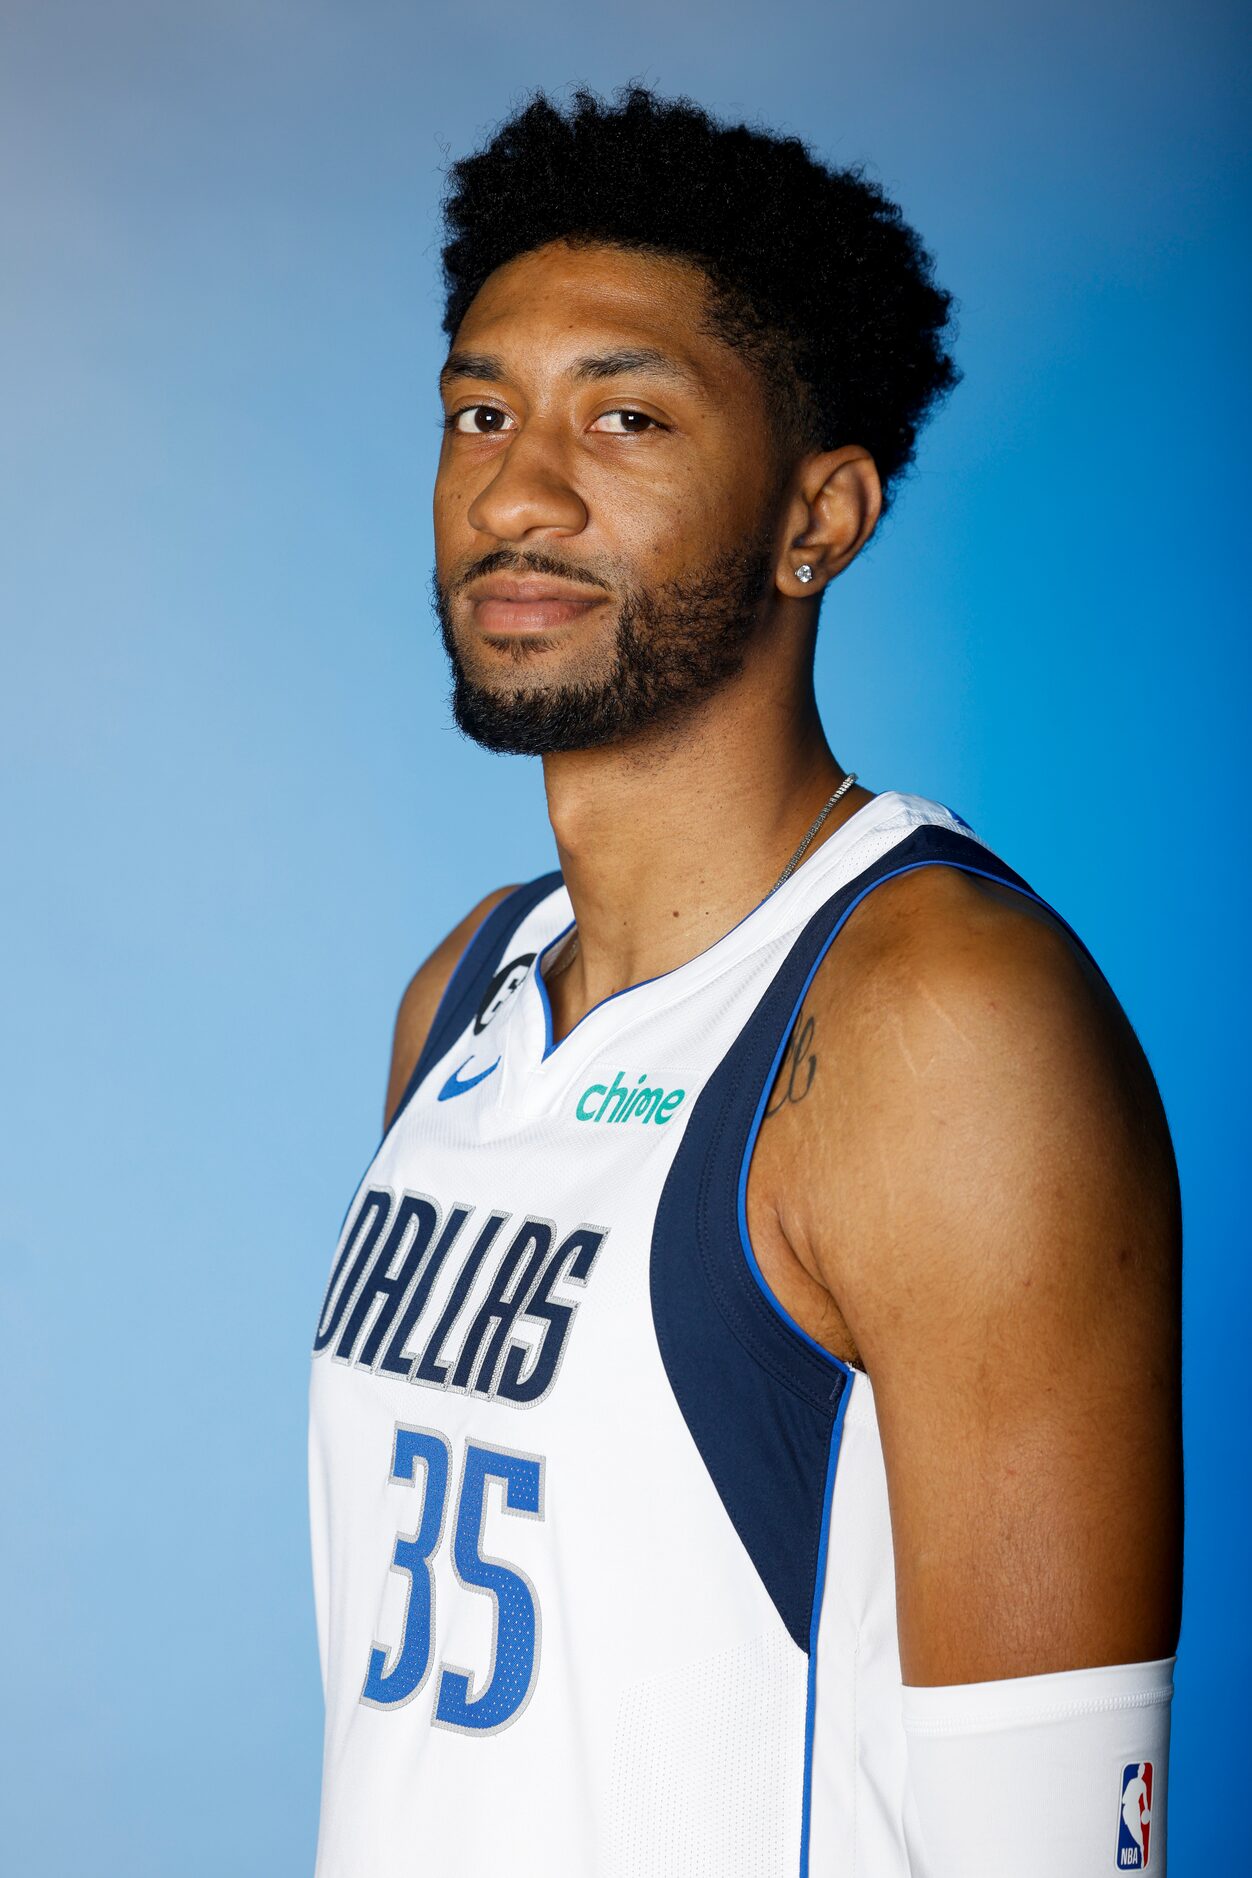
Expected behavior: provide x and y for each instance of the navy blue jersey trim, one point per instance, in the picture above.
(473, 972)
(810, 1710)
(761, 1398)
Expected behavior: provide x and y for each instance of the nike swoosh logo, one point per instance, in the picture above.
(453, 1087)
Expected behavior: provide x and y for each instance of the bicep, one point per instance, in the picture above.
(1010, 1274)
(421, 1000)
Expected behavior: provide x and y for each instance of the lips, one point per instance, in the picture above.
(521, 603)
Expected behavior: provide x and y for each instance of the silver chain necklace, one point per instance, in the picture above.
(571, 951)
(794, 862)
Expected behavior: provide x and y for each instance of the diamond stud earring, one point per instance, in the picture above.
(804, 572)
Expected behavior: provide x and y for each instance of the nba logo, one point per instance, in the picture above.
(1134, 1820)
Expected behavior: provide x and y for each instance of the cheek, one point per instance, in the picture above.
(452, 496)
(685, 535)
(659, 526)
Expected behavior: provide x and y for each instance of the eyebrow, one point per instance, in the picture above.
(483, 365)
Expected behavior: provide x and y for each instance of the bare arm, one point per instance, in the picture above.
(985, 1190)
(421, 999)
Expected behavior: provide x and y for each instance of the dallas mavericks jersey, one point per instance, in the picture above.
(602, 1555)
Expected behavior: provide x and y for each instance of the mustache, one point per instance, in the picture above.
(533, 561)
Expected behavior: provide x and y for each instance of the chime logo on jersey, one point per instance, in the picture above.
(1134, 1818)
(618, 1101)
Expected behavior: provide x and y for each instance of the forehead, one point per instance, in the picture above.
(561, 301)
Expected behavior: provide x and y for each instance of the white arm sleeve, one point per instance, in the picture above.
(1040, 1776)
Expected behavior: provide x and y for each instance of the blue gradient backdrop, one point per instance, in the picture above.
(235, 816)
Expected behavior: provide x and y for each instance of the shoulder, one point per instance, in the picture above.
(938, 971)
(422, 994)
(978, 1095)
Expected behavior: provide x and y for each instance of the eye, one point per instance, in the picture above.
(484, 420)
(632, 423)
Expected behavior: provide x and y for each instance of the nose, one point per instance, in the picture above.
(530, 493)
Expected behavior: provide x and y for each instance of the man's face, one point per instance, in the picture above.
(606, 501)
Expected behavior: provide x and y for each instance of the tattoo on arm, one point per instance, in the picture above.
(799, 1066)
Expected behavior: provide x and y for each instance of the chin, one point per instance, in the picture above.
(514, 649)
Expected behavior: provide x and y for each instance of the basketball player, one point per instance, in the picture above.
(745, 1403)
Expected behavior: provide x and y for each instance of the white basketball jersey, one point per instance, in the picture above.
(601, 1545)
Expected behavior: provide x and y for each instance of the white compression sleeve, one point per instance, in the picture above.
(1040, 1776)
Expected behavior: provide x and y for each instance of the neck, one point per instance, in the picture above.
(667, 842)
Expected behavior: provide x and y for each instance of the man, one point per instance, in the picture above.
(736, 1354)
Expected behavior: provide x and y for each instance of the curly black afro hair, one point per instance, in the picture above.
(814, 272)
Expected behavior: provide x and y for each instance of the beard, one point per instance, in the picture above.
(674, 644)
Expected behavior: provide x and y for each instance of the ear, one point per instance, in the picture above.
(834, 510)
